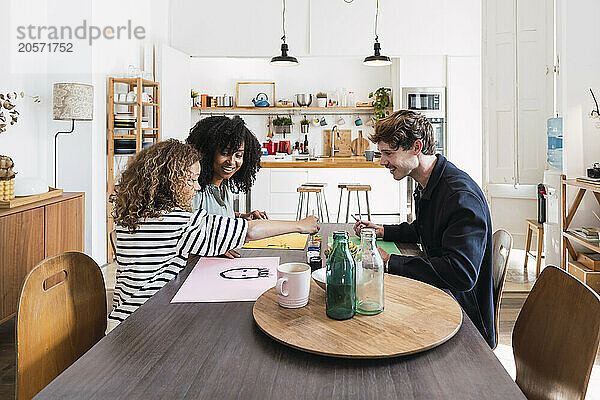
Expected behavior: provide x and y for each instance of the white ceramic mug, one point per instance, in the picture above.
(341, 120)
(293, 284)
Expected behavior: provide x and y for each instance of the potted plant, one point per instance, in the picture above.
(194, 98)
(304, 125)
(321, 99)
(383, 100)
(282, 125)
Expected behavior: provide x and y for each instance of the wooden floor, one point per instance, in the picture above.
(511, 304)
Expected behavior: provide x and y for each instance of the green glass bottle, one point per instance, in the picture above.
(341, 279)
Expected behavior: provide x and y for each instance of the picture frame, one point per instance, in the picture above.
(245, 92)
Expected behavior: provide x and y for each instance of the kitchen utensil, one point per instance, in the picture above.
(359, 145)
(284, 146)
(369, 155)
(303, 99)
(323, 121)
(316, 121)
(358, 121)
(340, 121)
(261, 100)
(341, 142)
(269, 131)
(293, 284)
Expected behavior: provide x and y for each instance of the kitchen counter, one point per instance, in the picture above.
(335, 162)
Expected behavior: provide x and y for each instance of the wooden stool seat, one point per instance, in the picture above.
(343, 185)
(534, 226)
(358, 188)
(316, 184)
(303, 189)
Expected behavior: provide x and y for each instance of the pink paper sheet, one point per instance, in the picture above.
(244, 279)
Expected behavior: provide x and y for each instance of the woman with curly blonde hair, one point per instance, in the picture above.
(157, 231)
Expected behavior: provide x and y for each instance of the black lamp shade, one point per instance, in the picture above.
(284, 59)
(377, 60)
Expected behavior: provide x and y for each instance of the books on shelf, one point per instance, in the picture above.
(593, 181)
(586, 234)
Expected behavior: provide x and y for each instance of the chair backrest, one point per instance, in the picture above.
(61, 314)
(556, 337)
(502, 244)
(113, 241)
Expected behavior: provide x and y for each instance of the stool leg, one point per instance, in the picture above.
(326, 209)
(368, 207)
(540, 248)
(307, 204)
(527, 245)
(320, 206)
(340, 205)
(299, 208)
(358, 203)
(348, 207)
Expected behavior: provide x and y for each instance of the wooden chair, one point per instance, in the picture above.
(534, 226)
(556, 337)
(61, 314)
(502, 244)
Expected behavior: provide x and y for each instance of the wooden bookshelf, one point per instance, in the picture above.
(569, 239)
(139, 133)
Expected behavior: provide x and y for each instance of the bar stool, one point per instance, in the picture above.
(305, 192)
(324, 197)
(533, 225)
(353, 187)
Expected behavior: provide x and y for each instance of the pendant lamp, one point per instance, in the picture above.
(377, 60)
(284, 59)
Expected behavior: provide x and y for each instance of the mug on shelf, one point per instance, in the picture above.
(131, 97)
(323, 121)
(341, 120)
(358, 121)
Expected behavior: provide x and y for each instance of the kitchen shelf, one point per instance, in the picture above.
(285, 110)
(138, 133)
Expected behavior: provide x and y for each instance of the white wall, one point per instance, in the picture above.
(579, 61)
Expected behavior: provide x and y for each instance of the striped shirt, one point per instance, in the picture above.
(158, 250)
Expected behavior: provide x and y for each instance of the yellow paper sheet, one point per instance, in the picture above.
(292, 241)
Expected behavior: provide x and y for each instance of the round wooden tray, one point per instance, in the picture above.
(416, 318)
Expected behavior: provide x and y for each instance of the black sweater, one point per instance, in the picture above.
(454, 228)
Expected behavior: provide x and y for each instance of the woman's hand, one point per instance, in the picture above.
(309, 225)
(361, 223)
(255, 215)
(231, 254)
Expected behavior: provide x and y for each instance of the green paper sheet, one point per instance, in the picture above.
(388, 247)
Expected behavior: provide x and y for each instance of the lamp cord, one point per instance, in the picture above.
(283, 22)
(55, 147)
(376, 16)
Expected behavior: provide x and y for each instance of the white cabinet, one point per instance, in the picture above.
(275, 192)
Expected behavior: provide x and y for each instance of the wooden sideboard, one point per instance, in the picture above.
(30, 233)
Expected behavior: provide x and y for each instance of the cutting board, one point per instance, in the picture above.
(342, 143)
(359, 145)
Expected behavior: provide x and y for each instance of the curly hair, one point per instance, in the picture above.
(153, 183)
(402, 129)
(213, 134)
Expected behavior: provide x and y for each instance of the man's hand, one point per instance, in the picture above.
(385, 256)
(361, 223)
(231, 254)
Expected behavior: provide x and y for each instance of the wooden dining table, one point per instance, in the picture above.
(216, 351)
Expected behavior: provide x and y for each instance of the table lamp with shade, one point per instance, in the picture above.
(71, 101)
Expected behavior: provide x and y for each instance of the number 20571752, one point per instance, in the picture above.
(40, 47)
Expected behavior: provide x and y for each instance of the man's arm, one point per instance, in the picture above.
(404, 232)
(456, 264)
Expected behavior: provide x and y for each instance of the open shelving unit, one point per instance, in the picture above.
(284, 110)
(569, 255)
(138, 133)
